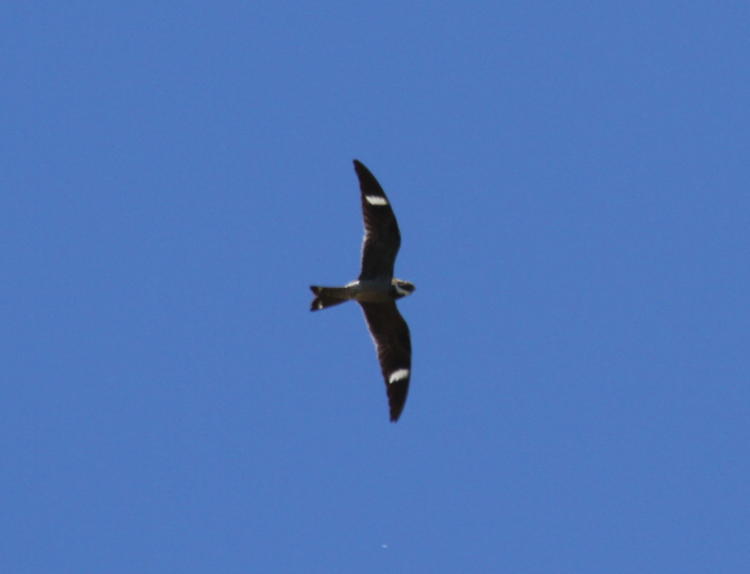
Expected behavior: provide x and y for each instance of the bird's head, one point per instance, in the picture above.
(402, 288)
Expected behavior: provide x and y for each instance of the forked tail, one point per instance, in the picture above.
(328, 297)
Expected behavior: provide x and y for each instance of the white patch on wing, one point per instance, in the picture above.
(398, 375)
(376, 200)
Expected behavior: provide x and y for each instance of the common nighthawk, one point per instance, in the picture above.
(376, 290)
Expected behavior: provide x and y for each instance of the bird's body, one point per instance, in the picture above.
(377, 290)
(363, 291)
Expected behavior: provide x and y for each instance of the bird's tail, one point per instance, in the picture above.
(328, 297)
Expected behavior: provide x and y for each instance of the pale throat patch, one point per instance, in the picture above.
(376, 200)
(398, 375)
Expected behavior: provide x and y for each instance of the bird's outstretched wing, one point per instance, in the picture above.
(393, 344)
(382, 237)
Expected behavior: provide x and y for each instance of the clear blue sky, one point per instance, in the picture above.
(572, 184)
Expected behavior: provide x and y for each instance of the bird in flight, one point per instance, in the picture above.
(377, 290)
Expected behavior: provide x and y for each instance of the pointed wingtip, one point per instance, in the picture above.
(366, 177)
(396, 413)
(397, 392)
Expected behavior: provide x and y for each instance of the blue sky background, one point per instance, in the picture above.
(571, 180)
